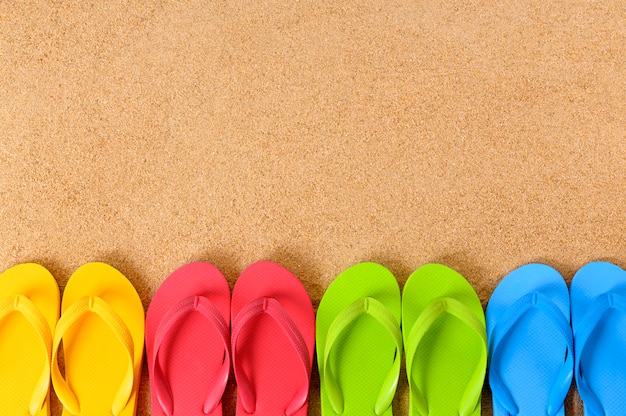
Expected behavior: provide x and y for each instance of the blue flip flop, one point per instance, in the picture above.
(530, 343)
(598, 302)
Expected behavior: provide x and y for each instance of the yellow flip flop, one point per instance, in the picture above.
(102, 329)
(29, 310)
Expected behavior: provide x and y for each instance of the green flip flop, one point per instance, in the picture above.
(443, 326)
(359, 343)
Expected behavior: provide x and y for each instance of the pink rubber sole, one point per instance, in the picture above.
(266, 360)
(191, 353)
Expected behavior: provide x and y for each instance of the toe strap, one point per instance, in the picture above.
(73, 315)
(450, 306)
(506, 324)
(35, 318)
(374, 308)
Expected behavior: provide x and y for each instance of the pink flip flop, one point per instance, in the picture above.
(273, 336)
(187, 342)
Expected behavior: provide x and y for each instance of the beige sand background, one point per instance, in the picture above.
(482, 135)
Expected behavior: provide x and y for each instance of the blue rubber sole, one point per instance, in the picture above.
(600, 288)
(527, 354)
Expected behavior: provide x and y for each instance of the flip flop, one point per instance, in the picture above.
(530, 342)
(29, 310)
(598, 302)
(272, 341)
(443, 326)
(188, 342)
(102, 328)
(359, 343)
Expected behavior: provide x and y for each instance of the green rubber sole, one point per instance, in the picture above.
(364, 357)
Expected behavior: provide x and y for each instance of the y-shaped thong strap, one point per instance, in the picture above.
(172, 318)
